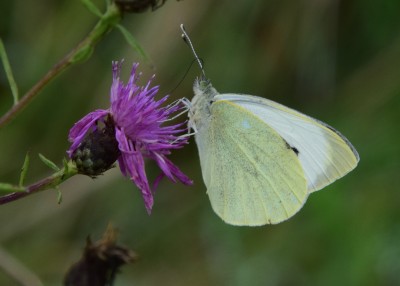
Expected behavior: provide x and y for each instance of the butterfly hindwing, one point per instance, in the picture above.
(253, 176)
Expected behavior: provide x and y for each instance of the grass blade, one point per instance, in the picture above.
(9, 74)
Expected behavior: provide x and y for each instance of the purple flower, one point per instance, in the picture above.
(129, 131)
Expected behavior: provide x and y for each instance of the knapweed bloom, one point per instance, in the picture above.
(132, 129)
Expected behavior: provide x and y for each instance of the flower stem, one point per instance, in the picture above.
(50, 182)
(80, 53)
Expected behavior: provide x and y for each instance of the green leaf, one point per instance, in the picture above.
(65, 164)
(8, 188)
(7, 69)
(49, 163)
(24, 170)
(133, 43)
(59, 195)
(92, 8)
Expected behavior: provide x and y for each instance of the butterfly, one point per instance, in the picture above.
(259, 159)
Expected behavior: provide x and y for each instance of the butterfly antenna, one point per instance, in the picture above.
(187, 40)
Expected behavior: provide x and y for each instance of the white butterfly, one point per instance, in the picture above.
(259, 159)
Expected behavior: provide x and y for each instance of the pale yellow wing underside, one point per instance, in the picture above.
(252, 175)
(324, 153)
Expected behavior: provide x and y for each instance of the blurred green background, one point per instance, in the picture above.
(338, 61)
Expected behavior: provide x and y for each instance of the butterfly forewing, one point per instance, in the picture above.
(325, 154)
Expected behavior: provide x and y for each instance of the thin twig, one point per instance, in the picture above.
(45, 184)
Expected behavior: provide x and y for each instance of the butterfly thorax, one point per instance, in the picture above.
(200, 111)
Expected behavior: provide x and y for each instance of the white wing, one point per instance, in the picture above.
(324, 153)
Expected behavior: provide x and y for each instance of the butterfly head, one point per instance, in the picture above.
(202, 87)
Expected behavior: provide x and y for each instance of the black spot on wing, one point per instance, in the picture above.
(295, 150)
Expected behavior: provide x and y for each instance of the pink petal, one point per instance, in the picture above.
(132, 165)
(170, 170)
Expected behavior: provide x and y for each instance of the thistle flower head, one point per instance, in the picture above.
(132, 129)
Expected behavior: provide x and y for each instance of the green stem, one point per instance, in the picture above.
(80, 53)
(51, 182)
